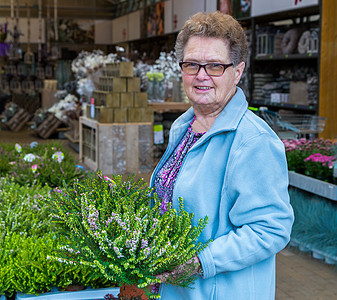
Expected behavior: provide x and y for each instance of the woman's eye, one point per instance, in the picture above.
(215, 66)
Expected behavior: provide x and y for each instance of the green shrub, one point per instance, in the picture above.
(46, 164)
(25, 242)
(113, 227)
(21, 210)
(25, 267)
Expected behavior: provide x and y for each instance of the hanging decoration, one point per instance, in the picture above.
(15, 50)
(4, 48)
(29, 55)
(39, 47)
(55, 49)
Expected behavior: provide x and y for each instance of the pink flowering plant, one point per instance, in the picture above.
(117, 227)
(315, 158)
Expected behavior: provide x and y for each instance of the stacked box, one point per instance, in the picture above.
(119, 98)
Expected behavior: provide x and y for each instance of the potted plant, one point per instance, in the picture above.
(311, 189)
(117, 227)
(27, 236)
(38, 163)
(311, 164)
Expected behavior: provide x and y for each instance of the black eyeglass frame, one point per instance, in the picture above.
(225, 66)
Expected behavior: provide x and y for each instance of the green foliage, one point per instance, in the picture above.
(42, 167)
(25, 267)
(25, 242)
(21, 210)
(117, 227)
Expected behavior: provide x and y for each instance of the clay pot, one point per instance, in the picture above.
(131, 292)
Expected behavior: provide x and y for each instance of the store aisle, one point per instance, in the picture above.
(298, 275)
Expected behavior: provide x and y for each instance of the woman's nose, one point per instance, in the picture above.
(202, 74)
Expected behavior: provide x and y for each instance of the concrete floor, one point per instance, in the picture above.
(298, 275)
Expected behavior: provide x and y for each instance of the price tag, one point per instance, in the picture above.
(92, 108)
(158, 134)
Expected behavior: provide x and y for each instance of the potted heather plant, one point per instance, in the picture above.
(117, 227)
(27, 236)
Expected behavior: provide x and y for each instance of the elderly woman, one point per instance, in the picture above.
(227, 164)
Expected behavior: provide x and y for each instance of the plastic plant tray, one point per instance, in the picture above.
(87, 294)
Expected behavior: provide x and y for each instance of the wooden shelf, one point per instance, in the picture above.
(284, 105)
(286, 56)
(169, 107)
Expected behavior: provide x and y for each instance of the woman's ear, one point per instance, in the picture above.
(239, 71)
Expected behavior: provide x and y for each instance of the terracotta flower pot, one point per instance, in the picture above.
(131, 292)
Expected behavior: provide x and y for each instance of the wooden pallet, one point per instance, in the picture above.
(19, 120)
(48, 126)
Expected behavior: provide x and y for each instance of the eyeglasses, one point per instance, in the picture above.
(211, 69)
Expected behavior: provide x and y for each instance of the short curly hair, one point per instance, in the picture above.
(215, 25)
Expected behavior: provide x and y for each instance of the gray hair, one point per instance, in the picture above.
(215, 25)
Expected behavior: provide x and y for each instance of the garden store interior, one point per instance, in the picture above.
(95, 85)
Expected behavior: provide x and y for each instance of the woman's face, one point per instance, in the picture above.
(201, 89)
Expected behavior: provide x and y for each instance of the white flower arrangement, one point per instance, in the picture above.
(168, 65)
(60, 109)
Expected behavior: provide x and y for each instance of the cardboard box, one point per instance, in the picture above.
(140, 99)
(104, 114)
(120, 115)
(126, 100)
(48, 98)
(133, 84)
(113, 100)
(298, 93)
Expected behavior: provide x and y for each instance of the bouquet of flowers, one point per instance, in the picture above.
(117, 227)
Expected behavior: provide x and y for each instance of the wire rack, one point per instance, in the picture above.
(298, 124)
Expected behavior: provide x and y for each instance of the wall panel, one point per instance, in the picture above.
(328, 69)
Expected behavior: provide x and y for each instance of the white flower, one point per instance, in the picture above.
(29, 157)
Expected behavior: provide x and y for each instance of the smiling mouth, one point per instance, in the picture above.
(204, 88)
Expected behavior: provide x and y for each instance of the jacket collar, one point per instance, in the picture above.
(228, 120)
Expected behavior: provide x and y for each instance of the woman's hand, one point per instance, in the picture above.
(182, 274)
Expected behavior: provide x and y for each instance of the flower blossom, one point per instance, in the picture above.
(323, 159)
(29, 157)
(58, 156)
(34, 168)
(18, 148)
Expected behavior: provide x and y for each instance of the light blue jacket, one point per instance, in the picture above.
(236, 174)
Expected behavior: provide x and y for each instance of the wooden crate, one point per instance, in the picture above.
(120, 69)
(116, 148)
(19, 120)
(48, 126)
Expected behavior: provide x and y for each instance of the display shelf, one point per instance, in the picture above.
(311, 108)
(116, 148)
(287, 14)
(287, 57)
(169, 107)
(271, 65)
